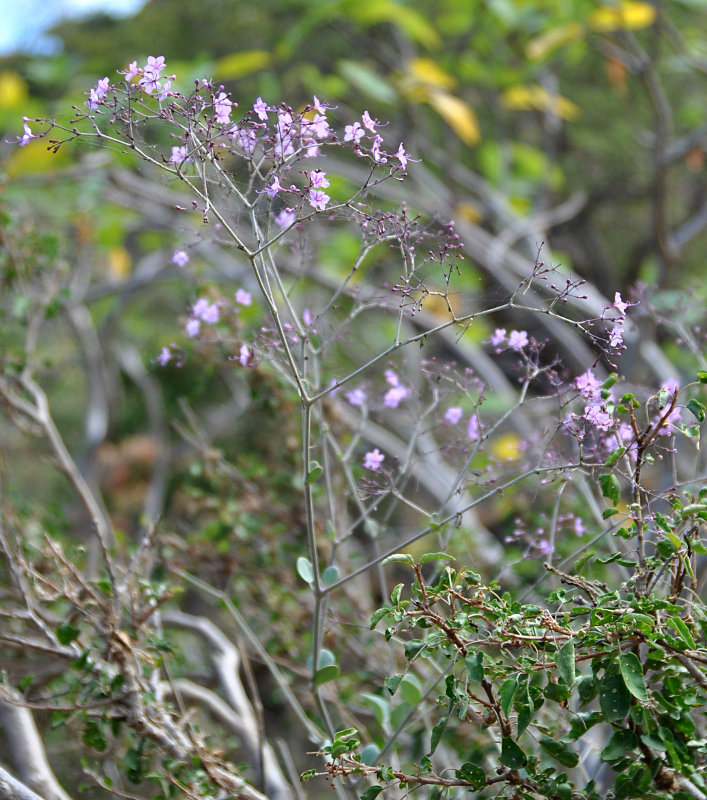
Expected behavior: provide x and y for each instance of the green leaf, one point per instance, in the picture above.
(326, 658)
(702, 375)
(437, 732)
(367, 81)
(614, 697)
(399, 558)
(610, 487)
(379, 706)
(474, 663)
(378, 615)
(560, 751)
(67, 633)
(325, 674)
(410, 689)
(372, 792)
(369, 754)
(435, 557)
(94, 737)
(473, 773)
(304, 570)
(621, 743)
(565, 662)
(395, 594)
(506, 693)
(315, 472)
(697, 409)
(609, 512)
(511, 755)
(610, 381)
(614, 456)
(632, 673)
(330, 575)
(345, 734)
(683, 631)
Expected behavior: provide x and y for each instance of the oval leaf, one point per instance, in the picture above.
(304, 570)
(565, 663)
(614, 697)
(410, 689)
(325, 674)
(632, 673)
(511, 755)
(559, 751)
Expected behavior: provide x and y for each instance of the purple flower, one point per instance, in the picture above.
(205, 311)
(402, 156)
(578, 526)
(245, 138)
(180, 258)
(24, 139)
(353, 133)
(588, 386)
(318, 179)
(517, 340)
(598, 417)
(453, 415)
(164, 357)
(616, 336)
(307, 317)
(369, 122)
(261, 109)
(393, 397)
(318, 126)
(165, 91)
(373, 460)
(285, 218)
(245, 356)
(274, 187)
(151, 73)
(392, 378)
(179, 154)
(98, 93)
(193, 327)
(243, 297)
(499, 337)
(473, 427)
(619, 304)
(131, 71)
(222, 107)
(378, 156)
(318, 199)
(357, 397)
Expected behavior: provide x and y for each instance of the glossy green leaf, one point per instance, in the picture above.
(304, 570)
(474, 663)
(325, 674)
(560, 751)
(473, 773)
(511, 755)
(437, 732)
(435, 557)
(399, 558)
(610, 487)
(614, 697)
(683, 631)
(315, 472)
(507, 693)
(565, 662)
(632, 673)
(697, 409)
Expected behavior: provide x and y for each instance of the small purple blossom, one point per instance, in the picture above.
(245, 355)
(318, 199)
(179, 154)
(243, 297)
(597, 416)
(180, 258)
(261, 109)
(164, 357)
(517, 340)
(98, 93)
(369, 122)
(373, 460)
(193, 327)
(619, 304)
(578, 526)
(499, 337)
(318, 126)
(307, 318)
(472, 429)
(354, 133)
(616, 336)
(356, 397)
(378, 155)
(318, 179)
(222, 108)
(402, 156)
(274, 187)
(27, 135)
(285, 218)
(453, 415)
(205, 311)
(588, 386)
(393, 397)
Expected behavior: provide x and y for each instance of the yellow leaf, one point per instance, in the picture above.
(542, 45)
(507, 447)
(13, 90)
(527, 97)
(458, 115)
(627, 15)
(468, 211)
(425, 70)
(120, 264)
(236, 65)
